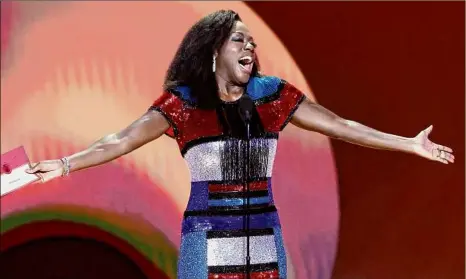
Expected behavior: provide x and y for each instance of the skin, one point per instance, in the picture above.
(231, 80)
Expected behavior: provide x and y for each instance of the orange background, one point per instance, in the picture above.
(75, 71)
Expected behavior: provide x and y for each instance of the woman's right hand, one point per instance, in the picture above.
(47, 170)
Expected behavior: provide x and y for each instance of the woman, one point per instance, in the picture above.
(231, 201)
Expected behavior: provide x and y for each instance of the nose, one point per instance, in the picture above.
(249, 46)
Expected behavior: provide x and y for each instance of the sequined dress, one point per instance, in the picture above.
(213, 237)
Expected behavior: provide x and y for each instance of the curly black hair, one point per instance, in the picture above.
(192, 64)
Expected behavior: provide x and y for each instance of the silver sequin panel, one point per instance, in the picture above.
(205, 160)
(232, 251)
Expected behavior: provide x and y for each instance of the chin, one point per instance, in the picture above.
(242, 78)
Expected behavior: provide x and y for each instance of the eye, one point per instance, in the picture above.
(241, 39)
(238, 39)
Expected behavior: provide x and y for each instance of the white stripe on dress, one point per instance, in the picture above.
(204, 160)
(232, 251)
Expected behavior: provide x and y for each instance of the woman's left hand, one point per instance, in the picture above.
(432, 151)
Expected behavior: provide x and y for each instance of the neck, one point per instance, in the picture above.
(227, 90)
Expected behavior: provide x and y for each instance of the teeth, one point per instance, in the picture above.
(246, 59)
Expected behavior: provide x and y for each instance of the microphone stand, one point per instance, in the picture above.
(246, 107)
(248, 257)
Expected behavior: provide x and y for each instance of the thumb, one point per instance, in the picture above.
(34, 168)
(429, 129)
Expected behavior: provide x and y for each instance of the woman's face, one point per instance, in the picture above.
(235, 59)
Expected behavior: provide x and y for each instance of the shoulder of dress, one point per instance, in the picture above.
(266, 87)
(184, 94)
(258, 88)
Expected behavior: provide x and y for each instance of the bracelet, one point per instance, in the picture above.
(66, 166)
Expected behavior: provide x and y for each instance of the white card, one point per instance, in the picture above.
(16, 179)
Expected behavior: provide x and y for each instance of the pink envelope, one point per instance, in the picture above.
(13, 171)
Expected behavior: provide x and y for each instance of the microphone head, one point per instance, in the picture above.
(245, 108)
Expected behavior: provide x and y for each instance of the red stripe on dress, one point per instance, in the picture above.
(269, 274)
(275, 113)
(191, 123)
(253, 186)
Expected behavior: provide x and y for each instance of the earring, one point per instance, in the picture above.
(213, 65)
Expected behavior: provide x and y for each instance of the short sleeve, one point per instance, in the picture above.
(170, 106)
(278, 111)
(288, 101)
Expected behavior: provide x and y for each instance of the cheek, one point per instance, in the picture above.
(230, 55)
(228, 63)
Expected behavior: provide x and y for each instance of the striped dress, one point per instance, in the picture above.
(213, 238)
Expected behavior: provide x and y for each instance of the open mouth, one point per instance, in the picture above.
(246, 63)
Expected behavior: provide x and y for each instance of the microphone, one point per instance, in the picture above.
(245, 108)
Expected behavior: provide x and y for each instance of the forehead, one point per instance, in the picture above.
(240, 28)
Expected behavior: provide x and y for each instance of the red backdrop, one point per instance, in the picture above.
(398, 67)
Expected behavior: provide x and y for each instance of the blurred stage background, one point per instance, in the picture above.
(75, 71)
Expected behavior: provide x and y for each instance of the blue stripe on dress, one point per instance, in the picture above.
(281, 254)
(205, 223)
(199, 196)
(259, 87)
(238, 201)
(192, 263)
(269, 190)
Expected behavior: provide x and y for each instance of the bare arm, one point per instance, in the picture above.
(313, 117)
(148, 127)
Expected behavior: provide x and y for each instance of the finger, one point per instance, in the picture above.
(34, 168)
(429, 129)
(31, 168)
(450, 158)
(444, 148)
(442, 156)
(41, 177)
(444, 161)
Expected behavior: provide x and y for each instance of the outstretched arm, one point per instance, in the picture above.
(145, 129)
(314, 117)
